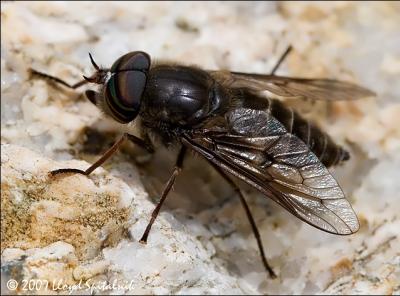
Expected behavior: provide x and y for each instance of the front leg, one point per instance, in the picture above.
(143, 144)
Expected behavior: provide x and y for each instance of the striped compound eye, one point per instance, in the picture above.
(124, 89)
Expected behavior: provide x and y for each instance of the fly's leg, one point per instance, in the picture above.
(167, 189)
(90, 94)
(281, 59)
(66, 84)
(251, 220)
(106, 155)
(58, 80)
(95, 78)
(144, 144)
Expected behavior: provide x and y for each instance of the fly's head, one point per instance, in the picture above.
(122, 86)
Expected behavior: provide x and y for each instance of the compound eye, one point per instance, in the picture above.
(123, 94)
(135, 60)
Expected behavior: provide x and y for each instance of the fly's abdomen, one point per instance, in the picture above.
(320, 143)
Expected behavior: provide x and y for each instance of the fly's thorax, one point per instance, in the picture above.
(181, 96)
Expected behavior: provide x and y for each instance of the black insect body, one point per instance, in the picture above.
(180, 99)
(223, 117)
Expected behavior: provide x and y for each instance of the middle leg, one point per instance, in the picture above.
(167, 189)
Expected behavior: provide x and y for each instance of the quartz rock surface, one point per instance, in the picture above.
(74, 230)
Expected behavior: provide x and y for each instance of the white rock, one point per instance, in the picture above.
(90, 270)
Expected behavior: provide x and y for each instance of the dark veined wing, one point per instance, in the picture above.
(258, 149)
(317, 89)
